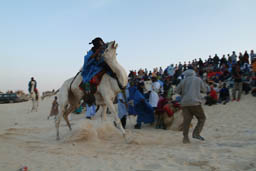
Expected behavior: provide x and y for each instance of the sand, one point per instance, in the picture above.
(29, 139)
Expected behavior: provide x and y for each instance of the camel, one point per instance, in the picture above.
(174, 123)
(34, 95)
(70, 94)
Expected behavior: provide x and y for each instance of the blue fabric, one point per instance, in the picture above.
(79, 109)
(161, 83)
(131, 109)
(30, 86)
(91, 67)
(90, 110)
(122, 111)
(127, 91)
(170, 70)
(178, 99)
(142, 108)
(132, 91)
(145, 113)
(87, 56)
(138, 97)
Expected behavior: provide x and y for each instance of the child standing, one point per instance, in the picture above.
(54, 110)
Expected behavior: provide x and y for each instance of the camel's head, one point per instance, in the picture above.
(110, 51)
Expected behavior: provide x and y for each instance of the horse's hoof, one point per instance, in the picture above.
(128, 140)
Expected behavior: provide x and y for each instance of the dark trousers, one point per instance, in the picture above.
(188, 113)
(210, 101)
(246, 88)
(237, 87)
(123, 121)
(224, 99)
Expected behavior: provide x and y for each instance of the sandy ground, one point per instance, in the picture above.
(29, 139)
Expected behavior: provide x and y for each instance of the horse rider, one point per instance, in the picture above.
(93, 64)
(31, 82)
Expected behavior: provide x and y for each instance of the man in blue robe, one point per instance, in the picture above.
(122, 108)
(144, 111)
(93, 63)
(90, 111)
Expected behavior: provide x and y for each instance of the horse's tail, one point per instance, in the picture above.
(71, 96)
(73, 80)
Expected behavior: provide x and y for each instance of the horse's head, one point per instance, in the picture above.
(109, 56)
(110, 51)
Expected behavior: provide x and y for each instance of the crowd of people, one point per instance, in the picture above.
(221, 74)
(148, 92)
(235, 74)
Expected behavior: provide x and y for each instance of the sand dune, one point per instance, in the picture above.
(29, 139)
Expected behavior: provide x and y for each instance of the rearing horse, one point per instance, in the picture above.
(70, 94)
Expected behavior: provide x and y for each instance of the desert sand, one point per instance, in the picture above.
(29, 139)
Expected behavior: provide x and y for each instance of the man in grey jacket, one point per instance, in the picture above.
(190, 90)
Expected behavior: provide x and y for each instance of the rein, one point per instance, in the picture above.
(74, 79)
(118, 82)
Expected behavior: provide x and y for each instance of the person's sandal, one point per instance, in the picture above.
(198, 137)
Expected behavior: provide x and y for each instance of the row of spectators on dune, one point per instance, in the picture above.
(221, 74)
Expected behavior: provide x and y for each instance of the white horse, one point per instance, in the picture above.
(34, 97)
(69, 95)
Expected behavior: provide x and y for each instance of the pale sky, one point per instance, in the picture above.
(48, 39)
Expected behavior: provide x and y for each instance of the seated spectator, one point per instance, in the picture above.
(142, 108)
(216, 88)
(153, 98)
(155, 84)
(224, 94)
(163, 100)
(216, 79)
(226, 74)
(212, 97)
(246, 84)
(254, 92)
(254, 68)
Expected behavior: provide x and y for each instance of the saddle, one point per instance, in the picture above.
(90, 88)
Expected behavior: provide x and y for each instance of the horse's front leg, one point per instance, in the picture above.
(112, 109)
(57, 125)
(37, 105)
(33, 105)
(66, 113)
(104, 112)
